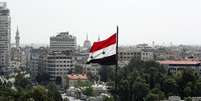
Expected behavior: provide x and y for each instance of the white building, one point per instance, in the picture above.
(127, 53)
(173, 98)
(61, 59)
(59, 64)
(5, 35)
(62, 42)
(73, 80)
(93, 69)
(174, 66)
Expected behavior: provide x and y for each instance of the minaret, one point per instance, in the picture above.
(17, 39)
(153, 43)
(87, 43)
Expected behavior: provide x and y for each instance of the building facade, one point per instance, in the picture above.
(87, 43)
(61, 58)
(26, 57)
(5, 35)
(38, 61)
(34, 63)
(73, 80)
(17, 39)
(62, 42)
(173, 66)
(43, 59)
(59, 64)
(127, 53)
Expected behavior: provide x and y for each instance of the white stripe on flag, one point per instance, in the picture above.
(108, 51)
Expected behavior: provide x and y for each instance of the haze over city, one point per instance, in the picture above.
(140, 21)
(144, 50)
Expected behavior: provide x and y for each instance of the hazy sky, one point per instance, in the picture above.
(140, 21)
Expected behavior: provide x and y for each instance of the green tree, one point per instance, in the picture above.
(43, 78)
(196, 89)
(188, 99)
(22, 83)
(135, 79)
(123, 90)
(6, 93)
(53, 92)
(169, 86)
(187, 91)
(40, 93)
(189, 75)
(88, 91)
(158, 92)
(152, 97)
(66, 99)
(148, 80)
(83, 83)
(141, 90)
(108, 99)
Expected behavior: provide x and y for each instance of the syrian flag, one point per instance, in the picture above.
(104, 52)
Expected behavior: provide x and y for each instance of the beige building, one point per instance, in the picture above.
(61, 58)
(174, 66)
(5, 35)
(59, 64)
(127, 53)
(62, 42)
(73, 80)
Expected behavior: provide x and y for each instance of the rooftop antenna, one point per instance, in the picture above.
(17, 30)
(98, 37)
(87, 36)
(153, 43)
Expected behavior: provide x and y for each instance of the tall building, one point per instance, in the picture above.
(59, 64)
(87, 43)
(27, 56)
(61, 56)
(63, 42)
(42, 67)
(5, 35)
(34, 63)
(17, 39)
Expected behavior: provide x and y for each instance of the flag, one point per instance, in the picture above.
(104, 52)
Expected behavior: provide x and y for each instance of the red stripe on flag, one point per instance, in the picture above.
(103, 44)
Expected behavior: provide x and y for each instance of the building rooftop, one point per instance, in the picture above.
(2, 4)
(179, 62)
(3, 10)
(63, 35)
(77, 77)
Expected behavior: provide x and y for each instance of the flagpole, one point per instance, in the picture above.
(116, 68)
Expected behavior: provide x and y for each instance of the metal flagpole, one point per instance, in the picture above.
(116, 68)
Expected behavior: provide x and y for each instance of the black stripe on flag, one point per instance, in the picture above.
(110, 60)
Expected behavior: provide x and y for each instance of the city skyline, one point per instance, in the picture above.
(142, 21)
(143, 50)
